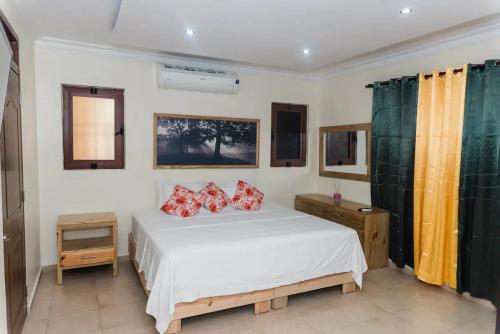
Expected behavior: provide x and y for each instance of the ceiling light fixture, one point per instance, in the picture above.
(189, 32)
(406, 11)
(306, 51)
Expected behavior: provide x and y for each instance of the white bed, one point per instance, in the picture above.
(184, 259)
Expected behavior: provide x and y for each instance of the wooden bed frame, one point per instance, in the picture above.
(263, 300)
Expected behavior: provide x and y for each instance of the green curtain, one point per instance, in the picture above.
(478, 268)
(392, 160)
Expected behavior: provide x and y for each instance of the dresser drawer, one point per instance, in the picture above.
(86, 257)
(351, 221)
(315, 210)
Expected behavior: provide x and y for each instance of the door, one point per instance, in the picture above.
(13, 207)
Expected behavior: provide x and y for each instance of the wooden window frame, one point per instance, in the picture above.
(302, 109)
(68, 91)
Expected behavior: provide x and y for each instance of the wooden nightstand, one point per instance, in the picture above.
(86, 252)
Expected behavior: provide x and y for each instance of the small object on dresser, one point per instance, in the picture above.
(365, 209)
(337, 196)
(86, 252)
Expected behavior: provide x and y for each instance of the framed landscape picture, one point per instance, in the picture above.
(186, 141)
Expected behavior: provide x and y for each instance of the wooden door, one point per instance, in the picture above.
(13, 207)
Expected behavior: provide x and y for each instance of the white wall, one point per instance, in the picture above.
(345, 100)
(30, 167)
(131, 189)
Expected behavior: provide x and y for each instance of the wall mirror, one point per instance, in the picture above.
(344, 151)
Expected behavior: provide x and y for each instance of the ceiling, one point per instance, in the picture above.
(269, 33)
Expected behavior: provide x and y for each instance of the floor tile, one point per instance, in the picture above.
(124, 315)
(428, 319)
(73, 303)
(75, 323)
(120, 295)
(130, 329)
(35, 327)
(40, 308)
(388, 324)
(331, 319)
(474, 327)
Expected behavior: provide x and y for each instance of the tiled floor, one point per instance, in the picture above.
(92, 302)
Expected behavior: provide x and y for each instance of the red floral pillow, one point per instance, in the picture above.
(247, 197)
(213, 197)
(183, 202)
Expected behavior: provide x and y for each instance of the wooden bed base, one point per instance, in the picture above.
(263, 300)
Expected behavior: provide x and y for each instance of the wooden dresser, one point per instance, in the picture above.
(372, 227)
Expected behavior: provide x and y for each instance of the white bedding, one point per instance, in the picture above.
(185, 259)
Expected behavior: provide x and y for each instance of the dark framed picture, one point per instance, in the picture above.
(186, 141)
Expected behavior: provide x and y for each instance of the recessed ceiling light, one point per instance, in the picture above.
(306, 51)
(189, 32)
(406, 11)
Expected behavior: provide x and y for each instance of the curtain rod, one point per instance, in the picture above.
(385, 83)
(427, 76)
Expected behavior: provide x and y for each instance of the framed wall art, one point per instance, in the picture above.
(186, 141)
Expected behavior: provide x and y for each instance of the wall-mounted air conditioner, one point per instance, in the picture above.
(199, 79)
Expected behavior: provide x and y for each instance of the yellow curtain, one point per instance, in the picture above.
(437, 170)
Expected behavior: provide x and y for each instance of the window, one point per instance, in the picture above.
(289, 135)
(93, 129)
(341, 148)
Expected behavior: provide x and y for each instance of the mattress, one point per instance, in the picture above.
(234, 251)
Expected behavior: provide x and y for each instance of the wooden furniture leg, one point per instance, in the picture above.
(262, 307)
(59, 250)
(115, 245)
(174, 327)
(278, 303)
(348, 287)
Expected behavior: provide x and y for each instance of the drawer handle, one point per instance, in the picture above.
(88, 257)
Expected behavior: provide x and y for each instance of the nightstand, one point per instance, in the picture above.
(86, 252)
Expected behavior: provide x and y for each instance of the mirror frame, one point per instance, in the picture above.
(341, 128)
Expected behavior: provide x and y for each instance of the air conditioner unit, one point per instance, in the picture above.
(199, 79)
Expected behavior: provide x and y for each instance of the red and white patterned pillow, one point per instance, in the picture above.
(213, 197)
(183, 202)
(247, 197)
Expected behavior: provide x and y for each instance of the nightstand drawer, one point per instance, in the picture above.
(86, 257)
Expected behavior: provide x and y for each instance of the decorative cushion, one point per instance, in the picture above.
(229, 184)
(183, 202)
(165, 187)
(247, 197)
(213, 197)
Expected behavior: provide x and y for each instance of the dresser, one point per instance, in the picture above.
(372, 227)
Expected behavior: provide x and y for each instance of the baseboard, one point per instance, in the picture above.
(35, 287)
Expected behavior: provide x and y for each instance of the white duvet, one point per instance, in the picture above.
(185, 259)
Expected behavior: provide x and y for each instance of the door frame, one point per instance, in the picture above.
(15, 328)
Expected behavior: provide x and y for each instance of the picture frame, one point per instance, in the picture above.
(191, 141)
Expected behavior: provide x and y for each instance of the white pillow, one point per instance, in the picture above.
(164, 189)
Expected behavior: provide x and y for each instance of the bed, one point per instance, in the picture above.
(210, 262)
